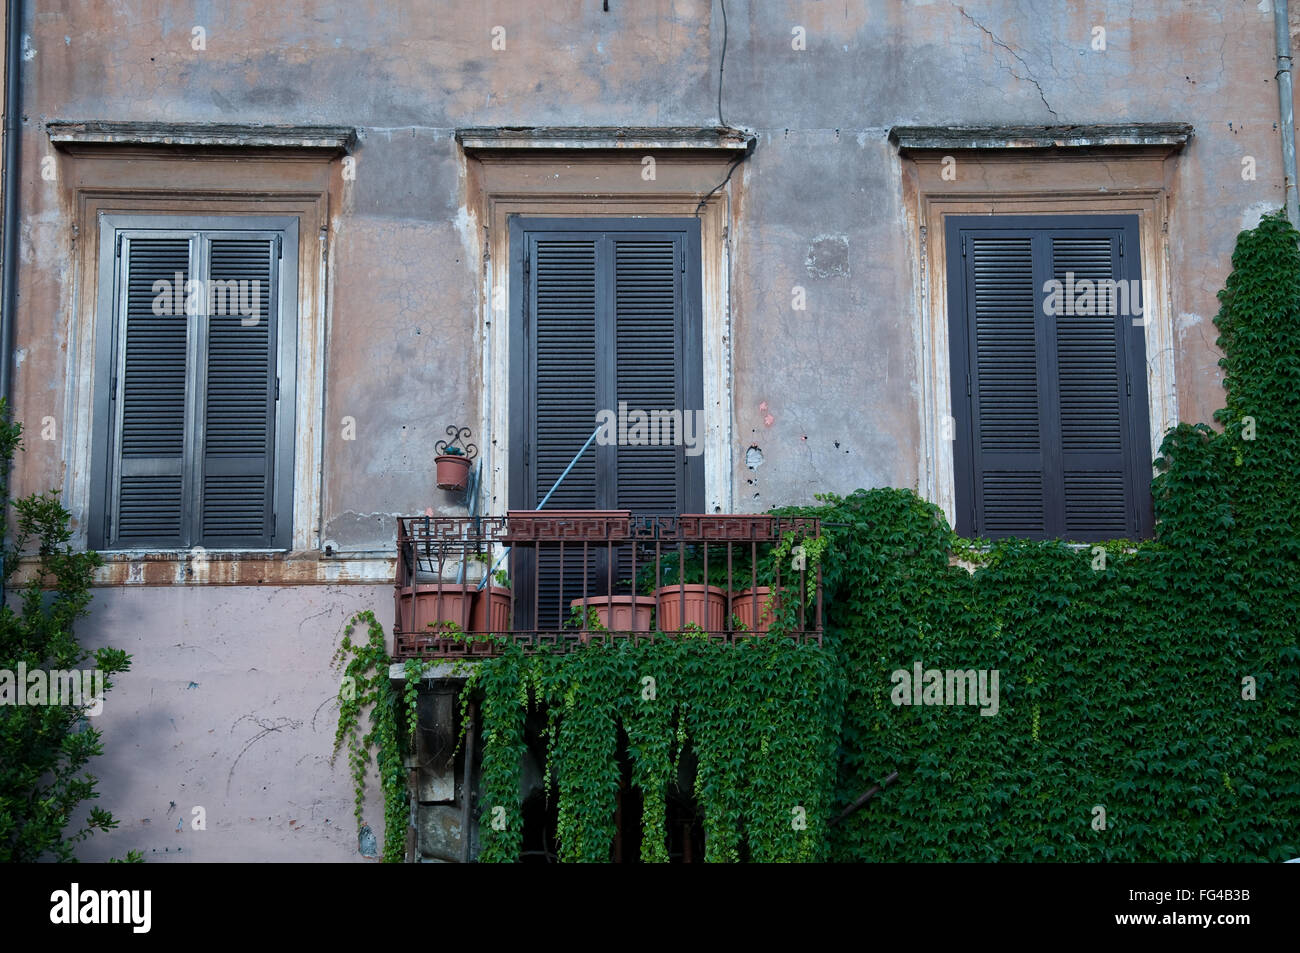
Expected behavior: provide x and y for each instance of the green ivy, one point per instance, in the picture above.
(1121, 677)
(366, 688)
(1123, 667)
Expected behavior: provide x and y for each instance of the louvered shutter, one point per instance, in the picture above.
(565, 378)
(189, 354)
(648, 360)
(648, 357)
(238, 454)
(1004, 344)
(1052, 433)
(565, 370)
(606, 317)
(1090, 367)
(150, 382)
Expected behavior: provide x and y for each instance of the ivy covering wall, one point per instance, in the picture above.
(1148, 694)
(1163, 688)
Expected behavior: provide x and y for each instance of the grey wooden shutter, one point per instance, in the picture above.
(1050, 407)
(192, 390)
(150, 384)
(1005, 390)
(565, 376)
(606, 315)
(1096, 482)
(564, 373)
(238, 453)
(648, 339)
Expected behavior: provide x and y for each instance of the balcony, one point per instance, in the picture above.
(558, 580)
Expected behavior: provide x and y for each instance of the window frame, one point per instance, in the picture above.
(108, 332)
(1136, 405)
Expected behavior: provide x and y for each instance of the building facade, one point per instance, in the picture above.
(267, 258)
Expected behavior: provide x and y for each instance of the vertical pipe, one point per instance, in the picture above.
(1286, 107)
(9, 248)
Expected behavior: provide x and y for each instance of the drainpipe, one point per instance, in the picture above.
(9, 251)
(1286, 106)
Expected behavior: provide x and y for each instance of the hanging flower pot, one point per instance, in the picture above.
(452, 471)
(453, 460)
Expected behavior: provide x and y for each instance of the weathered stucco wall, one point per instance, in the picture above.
(819, 204)
(827, 396)
(229, 706)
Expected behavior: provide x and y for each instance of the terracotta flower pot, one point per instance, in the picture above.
(491, 612)
(452, 471)
(743, 606)
(706, 606)
(430, 602)
(630, 613)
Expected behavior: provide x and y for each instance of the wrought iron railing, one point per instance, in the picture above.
(565, 578)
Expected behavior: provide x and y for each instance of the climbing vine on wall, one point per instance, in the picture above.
(366, 690)
(1148, 694)
(759, 716)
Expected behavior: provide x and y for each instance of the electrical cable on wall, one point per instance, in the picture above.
(722, 63)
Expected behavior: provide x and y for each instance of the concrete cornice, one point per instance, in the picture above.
(518, 139)
(1158, 135)
(73, 134)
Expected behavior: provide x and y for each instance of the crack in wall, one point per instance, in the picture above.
(997, 41)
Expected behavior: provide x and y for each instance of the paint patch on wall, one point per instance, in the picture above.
(1251, 214)
(828, 257)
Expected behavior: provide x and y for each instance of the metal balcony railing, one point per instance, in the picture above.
(565, 578)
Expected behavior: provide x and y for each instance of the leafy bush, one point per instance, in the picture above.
(46, 747)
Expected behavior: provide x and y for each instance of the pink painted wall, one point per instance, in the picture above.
(230, 706)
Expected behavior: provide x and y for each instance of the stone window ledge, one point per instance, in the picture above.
(76, 135)
(1166, 135)
(517, 139)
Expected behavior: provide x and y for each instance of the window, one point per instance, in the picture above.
(605, 317)
(1048, 376)
(194, 383)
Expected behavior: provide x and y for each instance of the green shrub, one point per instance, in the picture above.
(46, 747)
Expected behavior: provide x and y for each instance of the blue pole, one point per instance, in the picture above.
(576, 457)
